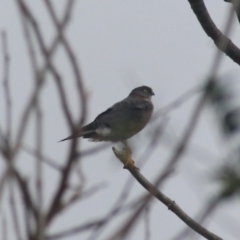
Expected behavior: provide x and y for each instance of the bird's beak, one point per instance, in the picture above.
(152, 93)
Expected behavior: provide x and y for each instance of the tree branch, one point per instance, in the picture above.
(200, 10)
(124, 157)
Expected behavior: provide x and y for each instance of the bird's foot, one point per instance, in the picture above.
(125, 156)
(130, 164)
(126, 148)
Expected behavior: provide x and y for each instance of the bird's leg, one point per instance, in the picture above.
(128, 153)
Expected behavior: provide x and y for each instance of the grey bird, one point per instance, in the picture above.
(121, 121)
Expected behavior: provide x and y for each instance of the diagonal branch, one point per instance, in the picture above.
(123, 157)
(200, 10)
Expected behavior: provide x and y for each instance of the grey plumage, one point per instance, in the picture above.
(121, 121)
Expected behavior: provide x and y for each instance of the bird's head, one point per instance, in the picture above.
(142, 92)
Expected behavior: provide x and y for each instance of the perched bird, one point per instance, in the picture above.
(121, 121)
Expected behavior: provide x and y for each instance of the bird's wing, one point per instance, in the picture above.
(126, 107)
(143, 105)
(116, 108)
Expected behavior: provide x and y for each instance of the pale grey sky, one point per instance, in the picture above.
(121, 45)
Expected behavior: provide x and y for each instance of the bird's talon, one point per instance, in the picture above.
(130, 164)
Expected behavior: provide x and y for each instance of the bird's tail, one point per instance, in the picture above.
(68, 138)
(85, 131)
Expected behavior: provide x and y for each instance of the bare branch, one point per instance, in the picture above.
(74, 230)
(72, 154)
(203, 215)
(161, 197)
(27, 199)
(15, 217)
(147, 223)
(79, 195)
(6, 86)
(48, 54)
(4, 228)
(72, 59)
(213, 32)
(178, 102)
(40, 232)
(236, 5)
(45, 159)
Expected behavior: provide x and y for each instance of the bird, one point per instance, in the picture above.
(121, 121)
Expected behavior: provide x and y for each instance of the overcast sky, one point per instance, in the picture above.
(121, 45)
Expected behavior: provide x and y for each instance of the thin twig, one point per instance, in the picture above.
(3, 181)
(115, 209)
(80, 195)
(15, 217)
(93, 150)
(8, 101)
(74, 230)
(4, 228)
(147, 223)
(40, 233)
(177, 102)
(26, 196)
(45, 159)
(236, 5)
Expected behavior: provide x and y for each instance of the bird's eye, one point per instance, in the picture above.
(145, 90)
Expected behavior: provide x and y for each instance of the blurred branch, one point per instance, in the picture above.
(177, 102)
(3, 180)
(73, 156)
(116, 208)
(236, 5)
(56, 202)
(4, 228)
(34, 152)
(79, 194)
(200, 10)
(40, 231)
(147, 223)
(24, 10)
(38, 84)
(72, 59)
(8, 104)
(15, 217)
(26, 196)
(74, 230)
(93, 150)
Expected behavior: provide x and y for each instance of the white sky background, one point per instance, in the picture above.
(121, 45)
